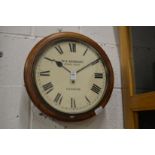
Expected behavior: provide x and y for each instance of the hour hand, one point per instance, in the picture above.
(58, 63)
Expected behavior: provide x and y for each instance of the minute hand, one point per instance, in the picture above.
(93, 62)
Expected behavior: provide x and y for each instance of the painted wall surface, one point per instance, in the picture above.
(17, 110)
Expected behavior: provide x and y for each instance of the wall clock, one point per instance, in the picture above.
(68, 76)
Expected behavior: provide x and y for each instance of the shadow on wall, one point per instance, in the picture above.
(94, 122)
(116, 34)
(25, 101)
(41, 121)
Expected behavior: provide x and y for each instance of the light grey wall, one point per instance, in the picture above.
(16, 109)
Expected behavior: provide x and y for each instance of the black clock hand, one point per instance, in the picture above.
(58, 63)
(92, 63)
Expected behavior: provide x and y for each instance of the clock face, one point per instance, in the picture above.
(70, 76)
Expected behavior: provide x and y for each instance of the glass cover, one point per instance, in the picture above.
(143, 48)
(146, 119)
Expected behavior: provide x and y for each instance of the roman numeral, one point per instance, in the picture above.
(58, 98)
(87, 99)
(95, 88)
(73, 105)
(45, 73)
(59, 49)
(85, 52)
(98, 75)
(72, 47)
(48, 87)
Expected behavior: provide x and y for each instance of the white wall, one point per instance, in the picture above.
(16, 109)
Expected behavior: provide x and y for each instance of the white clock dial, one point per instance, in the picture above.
(70, 76)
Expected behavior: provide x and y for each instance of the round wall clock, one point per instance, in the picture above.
(68, 76)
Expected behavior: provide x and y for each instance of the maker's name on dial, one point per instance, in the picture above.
(73, 89)
(72, 62)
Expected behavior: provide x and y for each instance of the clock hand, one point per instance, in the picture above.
(59, 64)
(93, 62)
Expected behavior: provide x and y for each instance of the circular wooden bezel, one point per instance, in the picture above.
(34, 93)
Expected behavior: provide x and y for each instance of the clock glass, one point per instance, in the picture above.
(70, 76)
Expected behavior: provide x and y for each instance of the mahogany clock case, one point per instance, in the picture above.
(30, 80)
